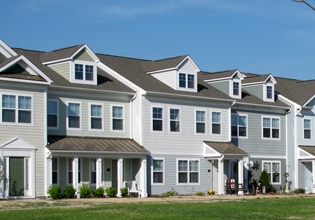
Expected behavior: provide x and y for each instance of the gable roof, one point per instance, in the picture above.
(255, 79)
(308, 149)
(225, 148)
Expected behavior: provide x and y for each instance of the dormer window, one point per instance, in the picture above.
(186, 80)
(84, 72)
(269, 92)
(236, 88)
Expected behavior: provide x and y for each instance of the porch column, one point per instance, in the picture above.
(240, 176)
(75, 172)
(143, 178)
(120, 176)
(313, 176)
(98, 172)
(48, 173)
(221, 183)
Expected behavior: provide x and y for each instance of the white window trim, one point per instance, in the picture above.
(237, 114)
(152, 171)
(212, 122)
(265, 92)
(83, 81)
(163, 119)
(262, 127)
(188, 159)
(311, 121)
(169, 121)
(90, 116)
(74, 129)
(16, 123)
(205, 111)
(57, 101)
(239, 81)
(111, 118)
(186, 87)
(280, 174)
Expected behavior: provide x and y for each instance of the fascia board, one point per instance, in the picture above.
(24, 81)
(260, 105)
(218, 79)
(238, 74)
(309, 155)
(91, 53)
(163, 70)
(216, 153)
(308, 101)
(6, 50)
(188, 58)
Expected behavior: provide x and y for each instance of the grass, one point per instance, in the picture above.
(273, 208)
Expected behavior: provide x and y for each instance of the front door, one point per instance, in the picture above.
(308, 176)
(16, 176)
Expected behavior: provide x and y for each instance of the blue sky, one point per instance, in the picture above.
(257, 36)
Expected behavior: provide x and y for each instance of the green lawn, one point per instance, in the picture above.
(269, 208)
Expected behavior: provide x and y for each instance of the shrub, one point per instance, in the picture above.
(170, 193)
(54, 192)
(264, 179)
(85, 191)
(199, 193)
(211, 192)
(111, 191)
(99, 192)
(299, 191)
(69, 191)
(124, 192)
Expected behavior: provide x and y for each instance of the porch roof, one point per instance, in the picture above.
(308, 149)
(225, 148)
(94, 144)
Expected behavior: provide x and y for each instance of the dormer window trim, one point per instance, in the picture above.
(236, 88)
(268, 91)
(88, 72)
(187, 81)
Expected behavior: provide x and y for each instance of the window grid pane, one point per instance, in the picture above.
(78, 71)
(191, 81)
(182, 80)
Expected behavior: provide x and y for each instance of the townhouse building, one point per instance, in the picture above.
(72, 116)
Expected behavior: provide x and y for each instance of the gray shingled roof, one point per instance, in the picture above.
(221, 74)
(308, 149)
(93, 144)
(105, 81)
(255, 79)
(60, 54)
(225, 148)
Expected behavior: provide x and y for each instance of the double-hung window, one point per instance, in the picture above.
(307, 129)
(157, 119)
(54, 175)
(52, 113)
(117, 118)
(271, 127)
(74, 115)
(216, 122)
(239, 125)
(96, 117)
(273, 169)
(158, 171)
(188, 171)
(200, 122)
(16, 109)
(174, 120)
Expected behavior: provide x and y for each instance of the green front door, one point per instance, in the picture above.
(16, 176)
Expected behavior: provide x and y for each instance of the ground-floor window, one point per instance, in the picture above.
(273, 169)
(188, 171)
(158, 171)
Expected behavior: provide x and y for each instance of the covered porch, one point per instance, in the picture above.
(230, 164)
(306, 167)
(99, 162)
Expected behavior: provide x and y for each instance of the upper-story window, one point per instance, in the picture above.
(84, 72)
(236, 88)
(157, 119)
(96, 117)
(216, 122)
(186, 80)
(307, 129)
(174, 120)
(269, 92)
(74, 115)
(117, 118)
(52, 114)
(17, 109)
(200, 122)
(271, 127)
(239, 125)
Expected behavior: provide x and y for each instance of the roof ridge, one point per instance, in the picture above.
(124, 57)
(65, 48)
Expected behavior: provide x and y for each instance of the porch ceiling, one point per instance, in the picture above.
(93, 144)
(225, 148)
(308, 149)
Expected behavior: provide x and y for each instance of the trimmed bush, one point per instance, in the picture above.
(124, 192)
(299, 191)
(69, 191)
(99, 192)
(111, 191)
(199, 194)
(54, 192)
(85, 191)
(264, 179)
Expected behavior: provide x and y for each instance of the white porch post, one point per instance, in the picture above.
(221, 184)
(143, 178)
(75, 172)
(313, 176)
(241, 176)
(120, 176)
(98, 172)
(48, 173)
